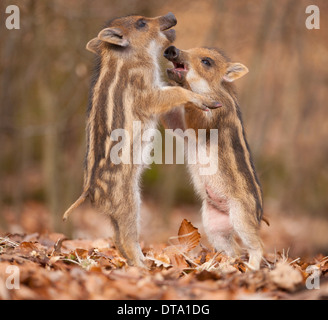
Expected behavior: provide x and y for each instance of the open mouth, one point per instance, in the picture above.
(179, 66)
(178, 73)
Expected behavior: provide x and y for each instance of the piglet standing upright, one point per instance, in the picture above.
(232, 197)
(126, 89)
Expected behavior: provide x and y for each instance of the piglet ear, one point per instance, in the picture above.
(234, 72)
(113, 36)
(94, 45)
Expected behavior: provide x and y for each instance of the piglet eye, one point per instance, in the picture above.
(207, 62)
(141, 23)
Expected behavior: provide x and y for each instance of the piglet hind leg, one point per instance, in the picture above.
(127, 237)
(247, 228)
(218, 227)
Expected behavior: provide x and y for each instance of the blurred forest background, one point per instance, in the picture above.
(45, 73)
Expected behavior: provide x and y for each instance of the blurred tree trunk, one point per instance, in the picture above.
(51, 153)
(253, 86)
(10, 137)
(48, 104)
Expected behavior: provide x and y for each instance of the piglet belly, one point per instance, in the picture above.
(216, 214)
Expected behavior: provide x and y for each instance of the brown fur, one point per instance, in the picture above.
(232, 198)
(126, 88)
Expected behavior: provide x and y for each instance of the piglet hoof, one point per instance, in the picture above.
(254, 262)
(210, 106)
(138, 263)
(215, 105)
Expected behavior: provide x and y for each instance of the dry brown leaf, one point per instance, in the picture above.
(189, 236)
(207, 275)
(54, 259)
(26, 248)
(88, 271)
(177, 260)
(285, 276)
(159, 260)
(203, 257)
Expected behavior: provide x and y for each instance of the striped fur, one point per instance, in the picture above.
(127, 87)
(232, 198)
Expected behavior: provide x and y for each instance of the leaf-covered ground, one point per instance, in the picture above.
(53, 267)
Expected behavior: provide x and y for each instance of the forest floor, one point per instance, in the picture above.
(50, 266)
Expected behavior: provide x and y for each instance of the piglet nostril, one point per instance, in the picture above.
(171, 53)
(167, 52)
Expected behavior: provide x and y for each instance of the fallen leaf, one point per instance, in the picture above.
(285, 276)
(159, 260)
(188, 236)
